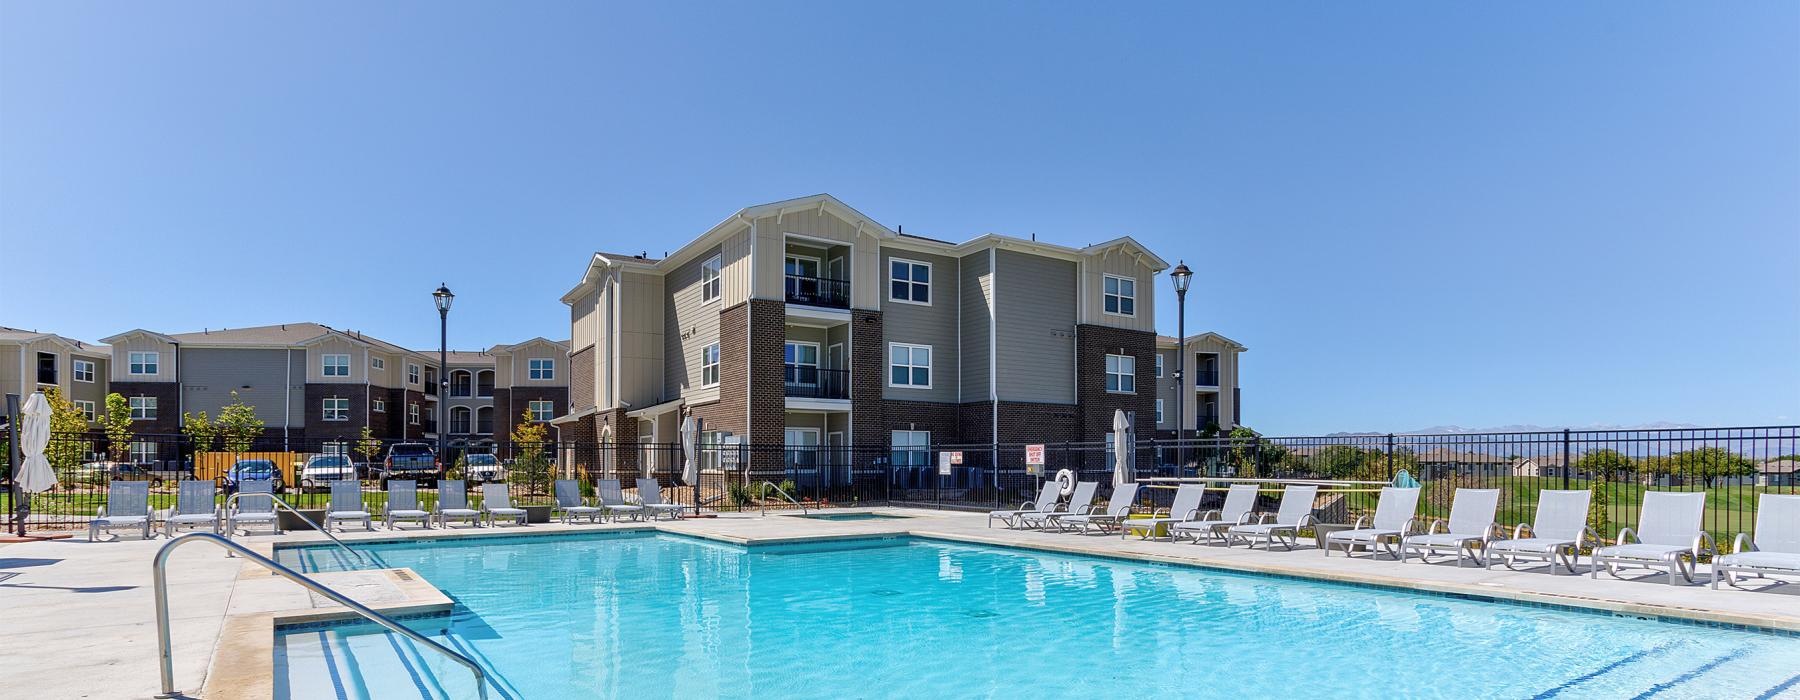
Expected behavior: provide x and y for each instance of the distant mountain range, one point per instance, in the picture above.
(1459, 430)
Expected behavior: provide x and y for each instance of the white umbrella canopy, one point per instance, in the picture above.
(34, 435)
(690, 465)
(1121, 449)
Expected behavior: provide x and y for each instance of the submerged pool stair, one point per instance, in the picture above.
(1665, 672)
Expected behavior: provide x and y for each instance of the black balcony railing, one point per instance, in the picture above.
(818, 291)
(431, 388)
(809, 382)
(1206, 377)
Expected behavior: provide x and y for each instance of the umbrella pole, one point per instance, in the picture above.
(21, 503)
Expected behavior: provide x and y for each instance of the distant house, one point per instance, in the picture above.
(1442, 462)
(1777, 472)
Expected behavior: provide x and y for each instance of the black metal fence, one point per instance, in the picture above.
(1734, 466)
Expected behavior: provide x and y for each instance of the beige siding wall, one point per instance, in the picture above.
(121, 366)
(690, 325)
(315, 361)
(514, 368)
(1165, 387)
(976, 289)
(94, 391)
(771, 243)
(604, 386)
(1228, 380)
(392, 372)
(9, 370)
(584, 320)
(1116, 262)
(641, 337)
(734, 273)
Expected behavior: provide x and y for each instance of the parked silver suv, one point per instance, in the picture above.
(320, 470)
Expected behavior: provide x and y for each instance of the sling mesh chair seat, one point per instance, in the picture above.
(1393, 520)
(1240, 501)
(1295, 512)
(1468, 531)
(1775, 549)
(347, 505)
(196, 504)
(127, 507)
(403, 505)
(453, 503)
(570, 504)
(1668, 536)
(255, 504)
(1557, 533)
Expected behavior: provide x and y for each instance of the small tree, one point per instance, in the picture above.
(367, 445)
(68, 427)
(1599, 508)
(1602, 465)
(117, 424)
(200, 431)
(238, 425)
(1244, 446)
(530, 468)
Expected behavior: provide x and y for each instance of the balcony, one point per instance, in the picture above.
(818, 291)
(1206, 377)
(809, 382)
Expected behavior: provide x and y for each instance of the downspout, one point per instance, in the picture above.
(287, 394)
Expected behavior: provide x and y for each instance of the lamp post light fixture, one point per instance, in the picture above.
(1182, 276)
(442, 298)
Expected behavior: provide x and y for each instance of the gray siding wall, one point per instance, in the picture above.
(1165, 387)
(976, 286)
(918, 324)
(209, 375)
(691, 326)
(1036, 298)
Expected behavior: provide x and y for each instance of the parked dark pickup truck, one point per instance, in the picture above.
(409, 460)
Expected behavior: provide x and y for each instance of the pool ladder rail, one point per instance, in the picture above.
(297, 514)
(784, 495)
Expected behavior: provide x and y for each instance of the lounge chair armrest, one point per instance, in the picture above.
(1495, 531)
(1212, 514)
(1028, 505)
(1519, 531)
(1587, 533)
(1704, 538)
(100, 511)
(1191, 515)
(1407, 527)
(1624, 533)
(1358, 525)
(1429, 529)
(1305, 520)
(1742, 543)
(1245, 518)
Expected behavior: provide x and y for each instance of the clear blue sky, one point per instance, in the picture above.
(1413, 214)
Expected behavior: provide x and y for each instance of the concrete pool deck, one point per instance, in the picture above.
(80, 620)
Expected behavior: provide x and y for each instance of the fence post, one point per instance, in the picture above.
(20, 500)
(1566, 467)
(1256, 455)
(1390, 456)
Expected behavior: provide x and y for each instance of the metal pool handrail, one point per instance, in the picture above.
(165, 652)
(784, 494)
(284, 504)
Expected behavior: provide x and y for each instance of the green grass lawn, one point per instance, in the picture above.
(78, 504)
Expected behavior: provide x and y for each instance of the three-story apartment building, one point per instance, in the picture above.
(1212, 383)
(30, 361)
(805, 322)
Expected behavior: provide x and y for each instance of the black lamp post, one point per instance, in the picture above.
(1182, 275)
(442, 297)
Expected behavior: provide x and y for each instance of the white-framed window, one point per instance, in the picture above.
(412, 373)
(144, 362)
(909, 366)
(142, 407)
(1120, 295)
(709, 278)
(84, 371)
(542, 368)
(1121, 374)
(1159, 417)
(377, 363)
(800, 362)
(143, 452)
(86, 408)
(909, 281)
(412, 413)
(335, 365)
(542, 411)
(711, 445)
(1159, 363)
(378, 405)
(911, 448)
(709, 365)
(336, 408)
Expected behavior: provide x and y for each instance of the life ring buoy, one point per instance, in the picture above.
(1065, 482)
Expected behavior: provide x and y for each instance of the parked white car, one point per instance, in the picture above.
(483, 467)
(320, 470)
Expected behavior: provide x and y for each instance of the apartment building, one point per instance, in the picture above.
(1213, 394)
(30, 361)
(490, 390)
(805, 322)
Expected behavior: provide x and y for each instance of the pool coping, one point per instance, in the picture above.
(243, 662)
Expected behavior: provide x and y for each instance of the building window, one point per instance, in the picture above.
(459, 419)
(543, 368)
(709, 278)
(84, 371)
(86, 408)
(144, 362)
(377, 363)
(542, 411)
(1121, 296)
(143, 407)
(484, 383)
(1121, 374)
(909, 281)
(412, 413)
(461, 383)
(909, 366)
(412, 373)
(711, 446)
(709, 365)
(912, 448)
(378, 405)
(337, 409)
(336, 365)
(143, 452)
(1159, 417)
(800, 363)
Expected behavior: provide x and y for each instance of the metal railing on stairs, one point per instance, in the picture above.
(164, 648)
(284, 505)
(771, 485)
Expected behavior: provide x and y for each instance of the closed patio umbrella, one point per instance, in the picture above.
(690, 464)
(1121, 449)
(34, 435)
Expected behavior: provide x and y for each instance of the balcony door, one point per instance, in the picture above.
(800, 364)
(802, 277)
(802, 454)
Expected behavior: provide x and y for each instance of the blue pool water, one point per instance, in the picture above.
(623, 615)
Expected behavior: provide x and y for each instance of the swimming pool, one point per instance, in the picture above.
(634, 615)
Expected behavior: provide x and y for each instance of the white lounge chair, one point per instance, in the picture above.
(1776, 548)
(403, 504)
(127, 506)
(1558, 532)
(612, 499)
(1185, 507)
(347, 505)
(1470, 528)
(1046, 501)
(453, 502)
(1393, 521)
(570, 505)
(496, 502)
(255, 504)
(1082, 498)
(1668, 532)
(1118, 508)
(1240, 501)
(196, 504)
(1295, 512)
(650, 497)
